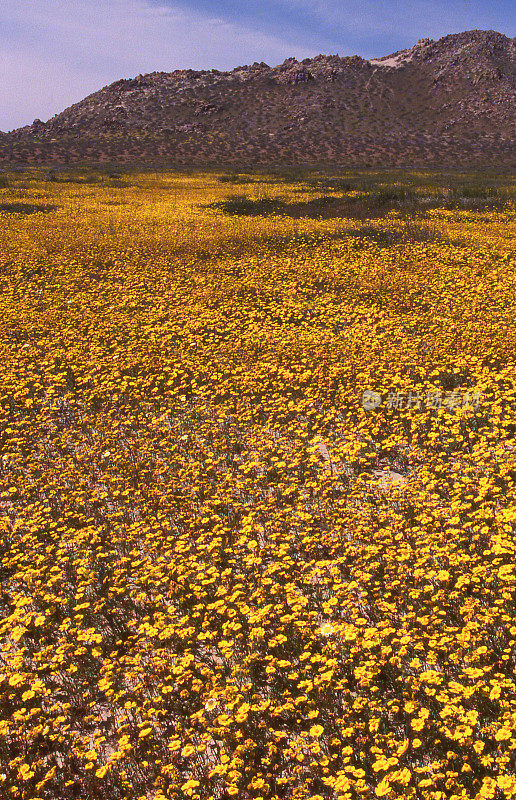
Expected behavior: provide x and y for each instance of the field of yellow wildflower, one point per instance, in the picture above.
(257, 501)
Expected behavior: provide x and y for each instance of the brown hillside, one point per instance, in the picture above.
(440, 102)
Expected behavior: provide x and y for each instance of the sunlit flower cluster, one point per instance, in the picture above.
(220, 575)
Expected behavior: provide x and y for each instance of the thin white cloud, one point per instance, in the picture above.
(371, 20)
(54, 52)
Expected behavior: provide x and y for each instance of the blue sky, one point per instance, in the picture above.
(55, 52)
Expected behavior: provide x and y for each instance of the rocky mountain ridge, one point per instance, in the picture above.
(449, 101)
